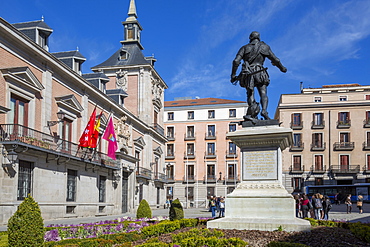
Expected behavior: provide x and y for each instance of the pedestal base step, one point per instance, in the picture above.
(289, 225)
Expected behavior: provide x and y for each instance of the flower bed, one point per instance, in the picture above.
(97, 229)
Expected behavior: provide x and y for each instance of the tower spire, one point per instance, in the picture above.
(132, 11)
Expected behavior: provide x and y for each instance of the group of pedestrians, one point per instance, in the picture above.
(317, 207)
(217, 205)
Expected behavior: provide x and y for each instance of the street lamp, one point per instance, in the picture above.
(60, 115)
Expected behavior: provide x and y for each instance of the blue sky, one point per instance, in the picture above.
(320, 42)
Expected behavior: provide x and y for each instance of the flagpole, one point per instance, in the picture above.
(99, 140)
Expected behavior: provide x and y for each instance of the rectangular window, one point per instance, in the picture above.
(24, 179)
(211, 130)
(317, 140)
(18, 113)
(211, 172)
(210, 192)
(170, 150)
(190, 194)
(190, 131)
(102, 188)
(319, 181)
(367, 96)
(190, 149)
(170, 132)
(190, 115)
(297, 163)
(232, 127)
(344, 137)
(319, 163)
(318, 119)
(232, 112)
(297, 140)
(343, 117)
(368, 162)
(344, 162)
(317, 99)
(211, 149)
(190, 172)
(231, 171)
(342, 98)
(71, 185)
(170, 172)
(170, 116)
(297, 184)
(296, 119)
(232, 148)
(211, 114)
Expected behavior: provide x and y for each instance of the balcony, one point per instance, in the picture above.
(189, 137)
(29, 139)
(158, 128)
(317, 125)
(160, 177)
(189, 155)
(189, 179)
(367, 123)
(231, 154)
(296, 125)
(297, 146)
(210, 136)
(170, 156)
(366, 145)
(210, 178)
(210, 155)
(232, 179)
(345, 169)
(344, 146)
(170, 178)
(318, 146)
(296, 169)
(142, 172)
(170, 137)
(344, 124)
(318, 169)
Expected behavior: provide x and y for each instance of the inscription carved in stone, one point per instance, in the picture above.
(260, 165)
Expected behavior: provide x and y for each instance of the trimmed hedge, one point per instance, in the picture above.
(26, 226)
(176, 210)
(144, 210)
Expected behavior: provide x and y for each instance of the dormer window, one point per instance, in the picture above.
(123, 55)
(43, 40)
(102, 86)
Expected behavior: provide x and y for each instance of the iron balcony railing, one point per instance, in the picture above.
(319, 146)
(345, 168)
(160, 177)
(347, 146)
(296, 169)
(318, 169)
(298, 146)
(52, 144)
(297, 125)
(343, 124)
(144, 173)
(318, 124)
(158, 128)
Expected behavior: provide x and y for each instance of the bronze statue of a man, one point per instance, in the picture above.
(253, 74)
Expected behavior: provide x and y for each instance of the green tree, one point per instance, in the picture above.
(26, 226)
(176, 210)
(144, 210)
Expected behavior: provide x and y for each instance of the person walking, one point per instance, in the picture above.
(212, 206)
(360, 200)
(222, 207)
(326, 205)
(348, 202)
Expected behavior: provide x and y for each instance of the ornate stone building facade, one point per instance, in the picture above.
(45, 104)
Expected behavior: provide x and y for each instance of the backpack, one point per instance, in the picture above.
(318, 203)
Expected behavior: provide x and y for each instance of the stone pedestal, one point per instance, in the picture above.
(260, 202)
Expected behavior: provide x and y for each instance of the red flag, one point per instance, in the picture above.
(95, 133)
(110, 136)
(85, 138)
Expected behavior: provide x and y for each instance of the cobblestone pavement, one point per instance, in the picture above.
(338, 212)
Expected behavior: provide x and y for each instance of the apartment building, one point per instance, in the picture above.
(201, 162)
(45, 104)
(331, 136)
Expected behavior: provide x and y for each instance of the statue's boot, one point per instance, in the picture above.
(265, 115)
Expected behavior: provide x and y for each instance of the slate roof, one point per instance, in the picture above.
(204, 101)
(135, 57)
(69, 54)
(32, 24)
(98, 75)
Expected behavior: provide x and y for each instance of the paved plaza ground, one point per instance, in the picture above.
(338, 212)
